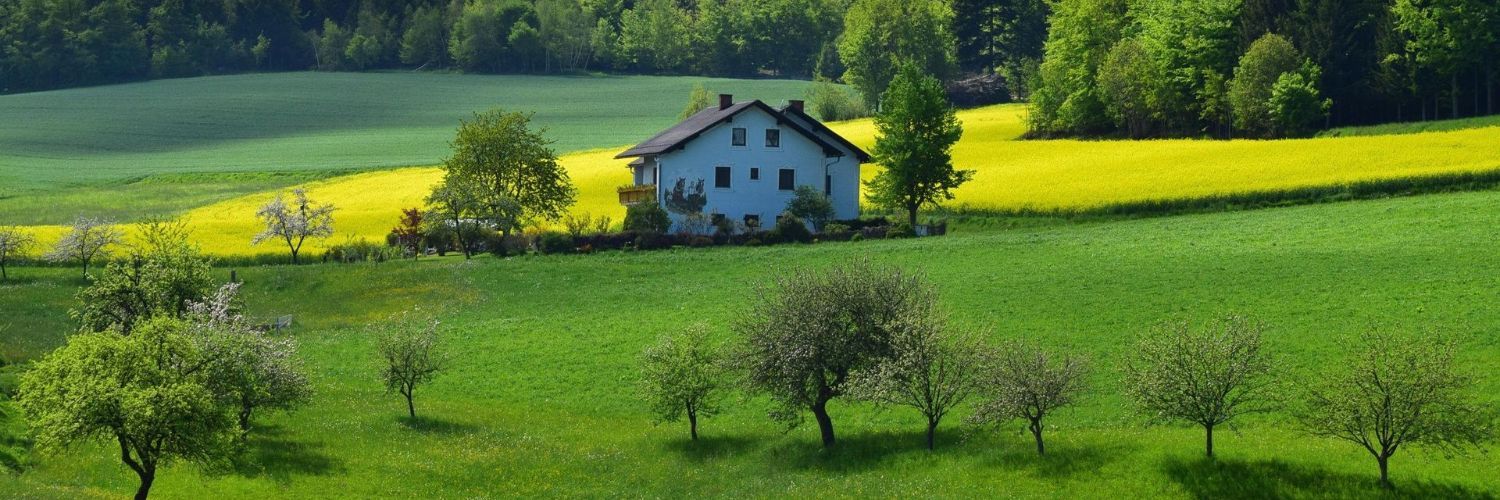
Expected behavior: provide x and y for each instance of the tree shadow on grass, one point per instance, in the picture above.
(1060, 461)
(270, 453)
(429, 425)
(866, 450)
(709, 447)
(1231, 479)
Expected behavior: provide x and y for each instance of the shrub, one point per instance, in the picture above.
(552, 242)
(360, 250)
(647, 217)
(900, 229)
(857, 237)
(811, 205)
(830, 103)
(700, 242)
(753, 242)
(836, 228)
(652, 241)
(789, 228)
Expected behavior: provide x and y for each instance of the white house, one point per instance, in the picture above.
(751, 158)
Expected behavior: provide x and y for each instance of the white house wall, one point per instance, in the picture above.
(762, 197)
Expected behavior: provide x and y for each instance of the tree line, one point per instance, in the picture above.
(49, 44)
(1261, 68)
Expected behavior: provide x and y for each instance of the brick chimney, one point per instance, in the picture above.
(725, 101)
(795, 104)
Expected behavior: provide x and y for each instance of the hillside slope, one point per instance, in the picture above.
(540, 400)
(316, 121)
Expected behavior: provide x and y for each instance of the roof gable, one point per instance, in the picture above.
(685, 131)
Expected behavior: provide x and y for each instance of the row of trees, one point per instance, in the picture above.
(1261, 67)
(872, 333)
(164, 364)
(48, 44)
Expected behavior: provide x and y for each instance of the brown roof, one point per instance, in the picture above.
(858, 153)
(689, 129)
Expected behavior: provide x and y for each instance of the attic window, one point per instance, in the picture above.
(773, 138)
(738, 138)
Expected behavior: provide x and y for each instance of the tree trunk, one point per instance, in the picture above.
(692, 422)
(825, 424)
(1476, 93)
(1036, 431)
(1453, 99)
(411, 410)
(911, 216)
(147, 477)
(1489, 84)
(932, 434)
(1385, 474)
(1209, 439)
(294, 256)
(245, 410)
(3, 277)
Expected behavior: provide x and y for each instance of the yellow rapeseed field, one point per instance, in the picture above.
(1011, 174)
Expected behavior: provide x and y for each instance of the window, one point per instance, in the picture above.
(788, 180)
(716, 218)
(738, 138)
(773, 138)
(721, 177)
(754, 173)
(752, 220)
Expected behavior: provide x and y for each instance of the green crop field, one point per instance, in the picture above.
(540, 397)
(96, 149)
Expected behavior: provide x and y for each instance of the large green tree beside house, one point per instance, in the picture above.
(916, 129)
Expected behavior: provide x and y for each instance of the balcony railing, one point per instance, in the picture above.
(630, 195)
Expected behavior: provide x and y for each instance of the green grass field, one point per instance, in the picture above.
(70, 150)
(1414, 127)
(539, 400)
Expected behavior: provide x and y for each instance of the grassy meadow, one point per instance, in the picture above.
(539, 401)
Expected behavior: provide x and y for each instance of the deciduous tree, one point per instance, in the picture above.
(880, 35)
(931, 369)
(1204, 375)
(1398, 391)
(504, 160)
(810, 331)
(252, 370)
(162, 276)
(916, 130)
(294, 223)
(684, 375)
(1024, 381)
(408, 231)
(150, 393)
(14, 244)
(411, 354)
(90, 238)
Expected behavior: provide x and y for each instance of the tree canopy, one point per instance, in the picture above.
(511, 168)
(916, 130)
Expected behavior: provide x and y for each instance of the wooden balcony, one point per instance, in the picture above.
(630, 195)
